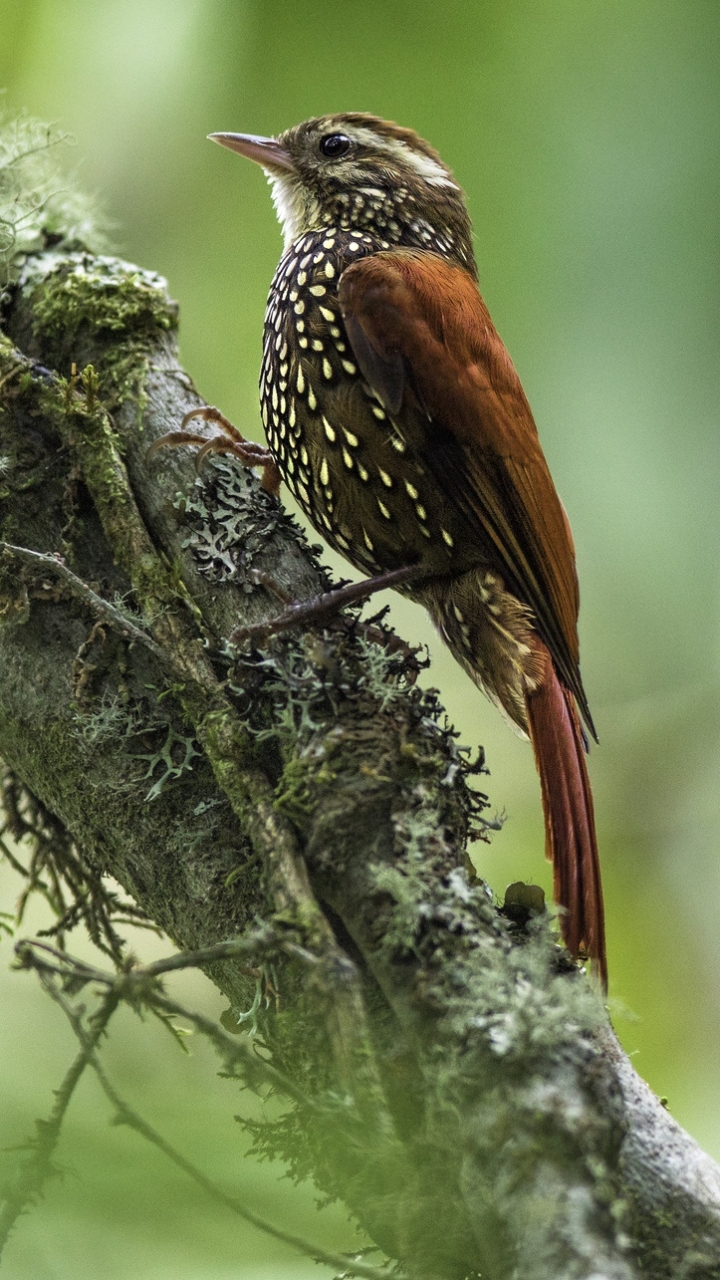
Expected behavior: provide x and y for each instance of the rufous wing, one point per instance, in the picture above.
(421, 332)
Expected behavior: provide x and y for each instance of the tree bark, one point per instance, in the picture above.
(465, 1094)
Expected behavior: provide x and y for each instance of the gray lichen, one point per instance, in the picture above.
(39, 205)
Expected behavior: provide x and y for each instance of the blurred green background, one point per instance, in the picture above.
(586, 137)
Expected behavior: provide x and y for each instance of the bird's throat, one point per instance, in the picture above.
(297, 209)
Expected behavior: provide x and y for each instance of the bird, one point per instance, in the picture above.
(396, 418)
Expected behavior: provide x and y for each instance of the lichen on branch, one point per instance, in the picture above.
(39, 205)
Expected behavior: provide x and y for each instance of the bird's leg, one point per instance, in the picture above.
(321, 607)
(230, 441)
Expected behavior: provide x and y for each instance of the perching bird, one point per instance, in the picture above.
(396, 418)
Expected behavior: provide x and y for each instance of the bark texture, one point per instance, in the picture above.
(465, 1094)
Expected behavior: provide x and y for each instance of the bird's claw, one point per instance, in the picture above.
(310, 612)
(228, 440)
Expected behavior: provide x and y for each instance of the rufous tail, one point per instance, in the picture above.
(571, 843)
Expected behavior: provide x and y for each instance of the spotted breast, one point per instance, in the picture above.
(357, 473)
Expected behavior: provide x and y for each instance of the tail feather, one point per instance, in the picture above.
(571, 843)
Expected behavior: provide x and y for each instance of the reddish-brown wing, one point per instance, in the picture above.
(421, 331)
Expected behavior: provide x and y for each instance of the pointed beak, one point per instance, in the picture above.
(264, 151)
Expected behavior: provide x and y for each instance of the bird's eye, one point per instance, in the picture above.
(334, 145)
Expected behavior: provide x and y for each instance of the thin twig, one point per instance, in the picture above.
(8, 854)
(126, 1115)
(55, 564)
(253, 943)
(52, 140)
(262, 939)
(39, 1167)
(234, 1050)
(55, 864)
(140, 984)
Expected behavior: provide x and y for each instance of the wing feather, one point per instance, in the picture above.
(421, 333)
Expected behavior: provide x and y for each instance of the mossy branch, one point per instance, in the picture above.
(312, 785)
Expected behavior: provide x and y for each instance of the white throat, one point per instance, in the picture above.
(296, 208)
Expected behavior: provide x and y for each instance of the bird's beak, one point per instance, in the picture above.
(265, 151)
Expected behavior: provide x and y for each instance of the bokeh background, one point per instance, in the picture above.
(586, 137)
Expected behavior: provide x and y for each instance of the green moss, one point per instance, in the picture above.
(294, 796)
(226, 748)
(82, 419)
(14, 597)
(84, 303)
(46, 754)
(106, 295)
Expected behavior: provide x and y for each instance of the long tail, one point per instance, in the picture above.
(571, 843)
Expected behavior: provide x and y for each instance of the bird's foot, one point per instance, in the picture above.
(228, 440)
(310, 612)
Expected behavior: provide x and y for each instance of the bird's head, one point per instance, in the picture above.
(358, 172)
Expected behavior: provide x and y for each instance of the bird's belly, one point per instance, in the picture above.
(490, 633)
(363, 487)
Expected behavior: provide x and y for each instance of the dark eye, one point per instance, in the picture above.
(335, 145)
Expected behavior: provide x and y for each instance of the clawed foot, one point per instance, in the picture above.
(321, 607)
(230, 441)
